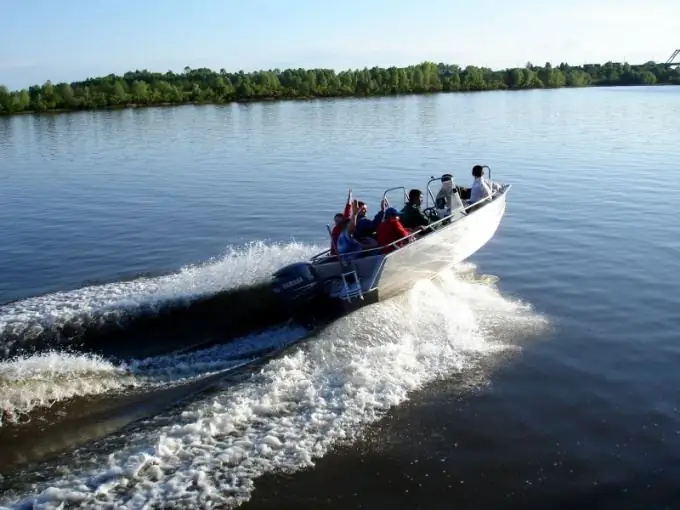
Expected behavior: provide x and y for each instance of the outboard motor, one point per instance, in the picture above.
(297, 284)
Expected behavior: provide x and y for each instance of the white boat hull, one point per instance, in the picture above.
(443, 248)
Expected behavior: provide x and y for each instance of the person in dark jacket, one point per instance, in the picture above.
(411, 215)
(366, 227)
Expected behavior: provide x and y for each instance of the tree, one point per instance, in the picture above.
(473, 79)
(65, 96)
(119, 95)
(140, 92)
(515, 78)
(49, 96)
(22, 101)
(6, 100)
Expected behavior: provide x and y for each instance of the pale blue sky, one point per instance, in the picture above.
(67, 40)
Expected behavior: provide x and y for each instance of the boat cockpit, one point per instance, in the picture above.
(450, 203)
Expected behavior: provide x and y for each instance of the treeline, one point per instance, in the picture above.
(137, 88)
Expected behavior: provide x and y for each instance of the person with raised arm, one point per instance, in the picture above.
(349, 248)
(341, 220)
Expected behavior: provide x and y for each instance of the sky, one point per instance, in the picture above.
(69, 40)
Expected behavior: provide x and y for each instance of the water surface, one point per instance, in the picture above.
(558, 387)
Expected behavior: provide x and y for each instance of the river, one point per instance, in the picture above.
(134, 248)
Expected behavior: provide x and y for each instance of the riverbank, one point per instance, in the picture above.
(132, 106)
(137, 89)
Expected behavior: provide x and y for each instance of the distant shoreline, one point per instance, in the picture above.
(143, 89)
(135, 106)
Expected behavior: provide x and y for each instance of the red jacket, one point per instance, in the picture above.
(389, 231)
(337, 229)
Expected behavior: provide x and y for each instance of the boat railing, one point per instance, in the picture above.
(388, 191)
(430, 195)
(394, 244)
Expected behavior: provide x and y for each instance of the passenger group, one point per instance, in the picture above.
(390, 229)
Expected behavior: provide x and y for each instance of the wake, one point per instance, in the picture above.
(297, 406)
(44, 335)
(104, 317)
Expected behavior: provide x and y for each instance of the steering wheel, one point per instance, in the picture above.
(431, 213)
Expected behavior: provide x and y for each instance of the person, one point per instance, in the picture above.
(366, 228)
(411, 215)
(391, 230)
(481, 187)
(347, 242)
(340, 220)
(448, 199)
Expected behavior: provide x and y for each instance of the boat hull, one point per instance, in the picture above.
(439, 250)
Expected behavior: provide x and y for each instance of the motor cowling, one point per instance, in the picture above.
(297, 283)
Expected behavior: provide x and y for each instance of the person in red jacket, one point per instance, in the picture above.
(341, 220)
(390, 230)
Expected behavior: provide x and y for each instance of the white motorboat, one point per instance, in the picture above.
(332, 283)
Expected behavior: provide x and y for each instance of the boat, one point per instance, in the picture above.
(334, 284)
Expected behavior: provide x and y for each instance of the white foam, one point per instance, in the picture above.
(298, 406)
(245, 265)
(41, 380)
(44, 379)
(47, 378)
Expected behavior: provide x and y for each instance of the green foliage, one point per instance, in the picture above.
(206, 86)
